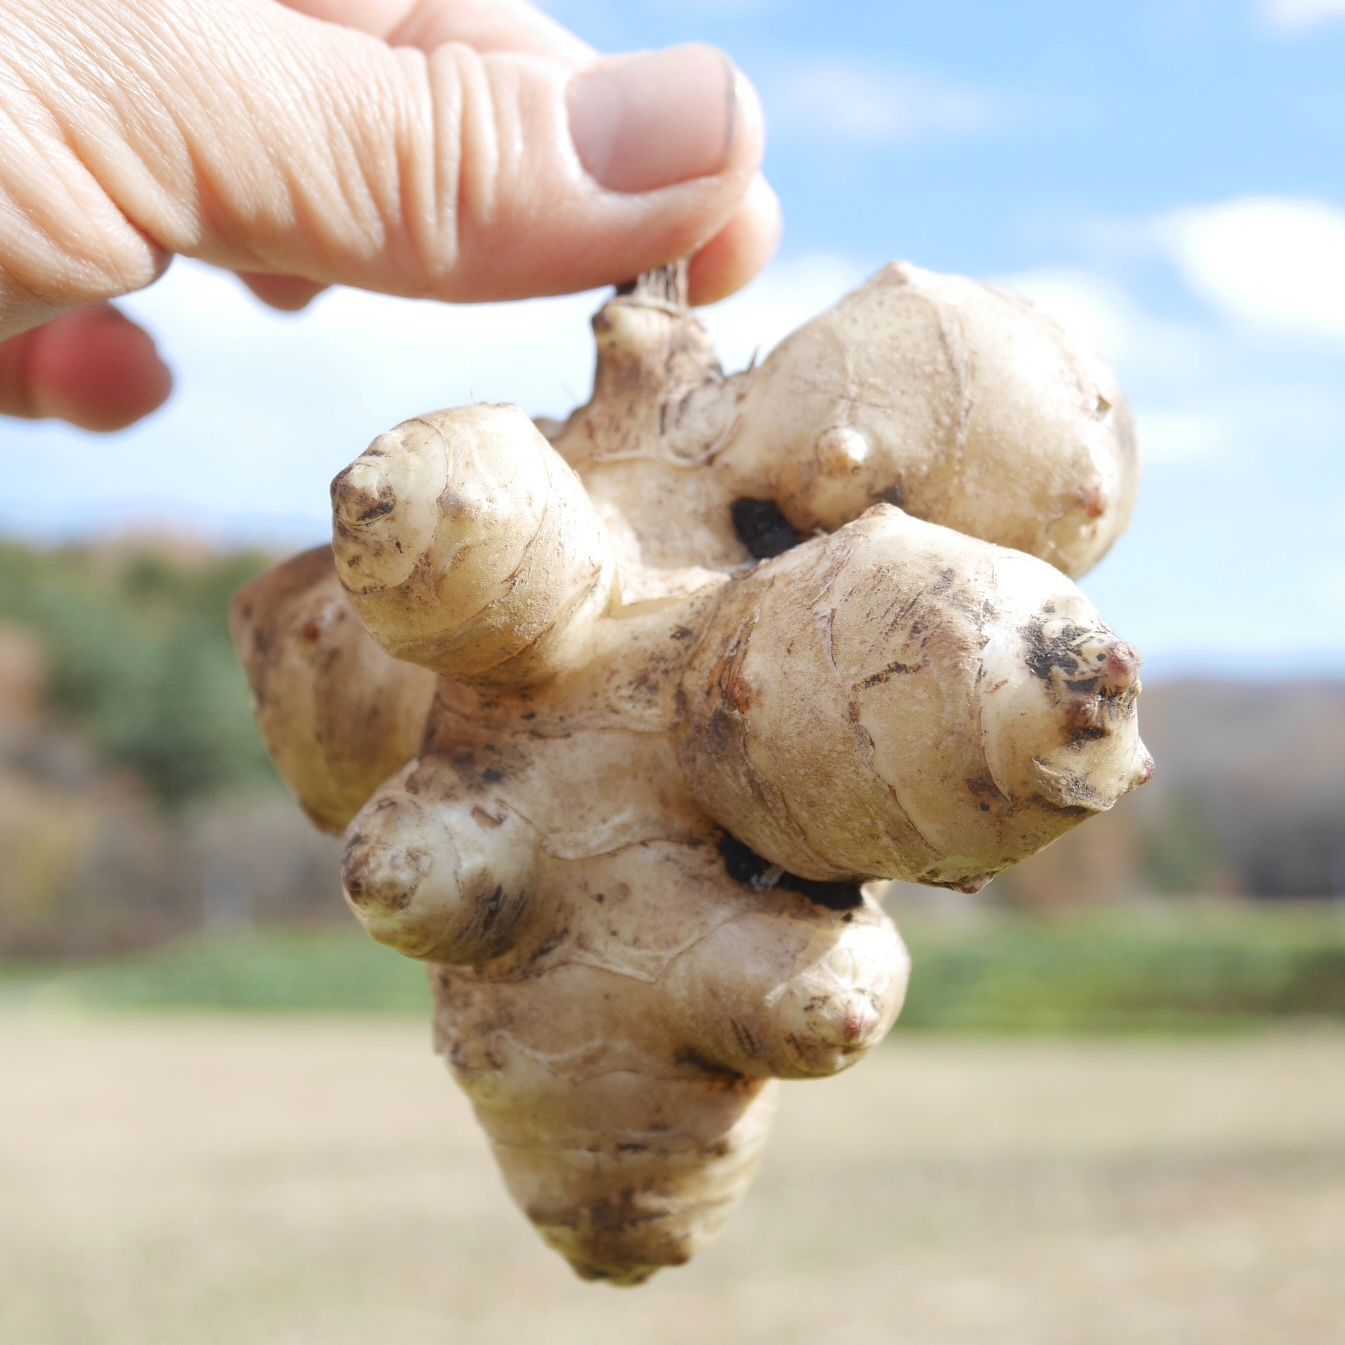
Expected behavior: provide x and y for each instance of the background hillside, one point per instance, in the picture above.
(136, 803)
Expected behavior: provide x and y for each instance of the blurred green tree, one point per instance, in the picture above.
(142, 663)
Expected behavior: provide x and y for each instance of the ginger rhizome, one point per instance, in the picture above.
(621, 719)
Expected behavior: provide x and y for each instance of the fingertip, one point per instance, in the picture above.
(287, 294)
(97, 370)
(741, 249)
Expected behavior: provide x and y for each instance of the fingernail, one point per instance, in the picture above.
(649, 121)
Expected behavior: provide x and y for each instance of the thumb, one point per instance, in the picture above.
(280, 143)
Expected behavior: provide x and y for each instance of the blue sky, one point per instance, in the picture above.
(1167, 177)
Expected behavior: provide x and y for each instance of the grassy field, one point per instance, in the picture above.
(1178, 968)
(318, 1181)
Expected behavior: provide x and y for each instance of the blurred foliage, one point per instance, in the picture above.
(1180, 970)
(141, 661)
(1181, 853)
(277, 970)
(1166, 970)
(137, 805)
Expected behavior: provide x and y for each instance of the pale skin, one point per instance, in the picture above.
(461, 150)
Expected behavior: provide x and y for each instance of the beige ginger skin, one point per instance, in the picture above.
(621, 720)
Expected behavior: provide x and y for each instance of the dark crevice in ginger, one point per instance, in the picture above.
(762, 528)
(744, 865)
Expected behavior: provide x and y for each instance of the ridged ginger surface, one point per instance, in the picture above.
(620, 716)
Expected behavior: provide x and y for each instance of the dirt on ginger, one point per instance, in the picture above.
(623, 719)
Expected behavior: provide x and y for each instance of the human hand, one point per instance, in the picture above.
(462, 150)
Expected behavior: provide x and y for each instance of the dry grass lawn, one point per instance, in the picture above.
(287, 1182)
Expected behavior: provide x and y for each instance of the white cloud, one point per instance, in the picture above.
(1327, 589)
(1276, 262)
(1177, 419)
(870, 105)
(1103, 314)
(1093, 308)
(1183, 434)
(1295, 15)
(268, 409)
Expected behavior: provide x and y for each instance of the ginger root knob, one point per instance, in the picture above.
(622, 719)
